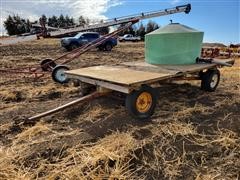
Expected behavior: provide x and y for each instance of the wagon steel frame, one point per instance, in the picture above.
(104, 86)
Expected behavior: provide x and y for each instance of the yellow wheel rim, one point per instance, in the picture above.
(144, 102)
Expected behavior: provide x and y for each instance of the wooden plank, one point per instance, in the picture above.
(170, 68)
(131, 75)
(185, 69)
(108, 85)
(225, 60)
(148, 68)
(119, 75)
(189, 68)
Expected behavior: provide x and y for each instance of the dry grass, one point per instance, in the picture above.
(11, 96)
(5, 127)
(9, 170)
(93, 113)
(108, 158)
(188, 111)
(29, 134)
(193, 135)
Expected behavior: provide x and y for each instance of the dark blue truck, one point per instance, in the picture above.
(80, 39)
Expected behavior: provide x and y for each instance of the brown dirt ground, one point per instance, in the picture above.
(192, 135)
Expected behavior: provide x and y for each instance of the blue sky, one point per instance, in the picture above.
(219, 19)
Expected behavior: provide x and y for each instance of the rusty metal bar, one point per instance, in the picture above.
(82, 99)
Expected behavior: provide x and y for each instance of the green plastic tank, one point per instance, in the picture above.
(173, 44)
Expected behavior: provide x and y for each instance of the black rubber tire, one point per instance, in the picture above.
(55, 74)
(73, 46)
(47, 64)
(67, 48)
(100, 48)
(201, 74)
(207, 79)
(131, 100)
(108, 47)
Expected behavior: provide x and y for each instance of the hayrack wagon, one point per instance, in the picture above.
(137, 81)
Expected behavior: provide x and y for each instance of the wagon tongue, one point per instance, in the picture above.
(91, 96)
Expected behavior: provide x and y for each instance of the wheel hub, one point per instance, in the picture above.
(61, 75)
(144, 102)
(214, 81)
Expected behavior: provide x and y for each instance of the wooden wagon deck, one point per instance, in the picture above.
(128, 76)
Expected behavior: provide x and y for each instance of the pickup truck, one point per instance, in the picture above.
(129, 37)
(80, 39)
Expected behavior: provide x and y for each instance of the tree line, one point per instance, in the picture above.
(16, 25)
(141, 29)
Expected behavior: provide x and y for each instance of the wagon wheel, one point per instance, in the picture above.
(73, 46)
(210, 80)
(141, 104)
(58, 74)
(47, 64)
(108, 47)
(100, 48)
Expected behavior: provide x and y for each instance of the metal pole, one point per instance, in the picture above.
(82, 99)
